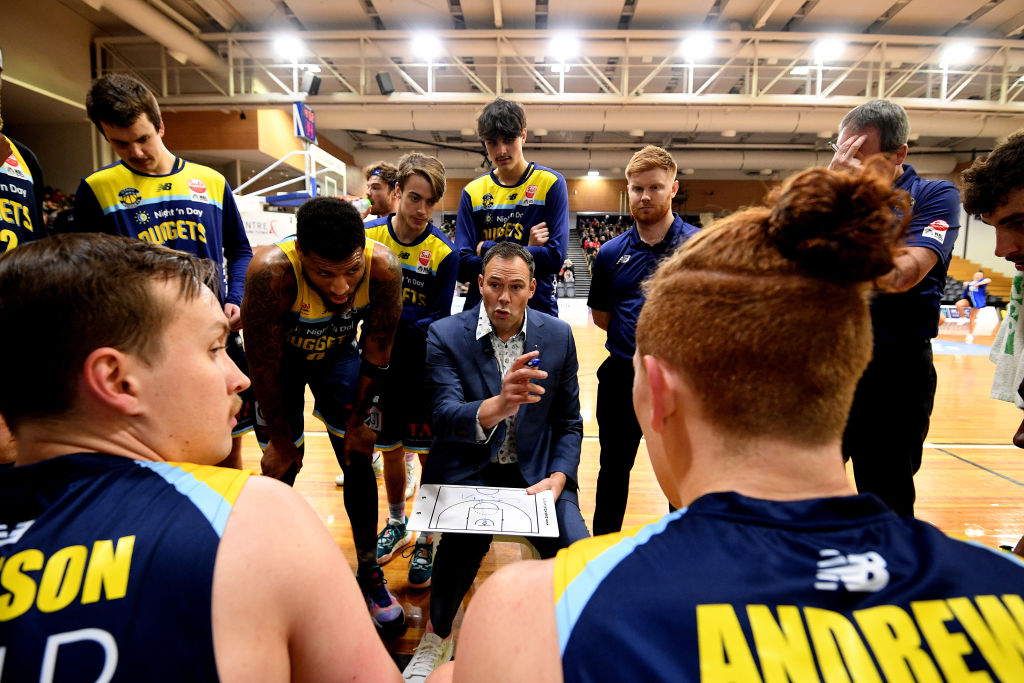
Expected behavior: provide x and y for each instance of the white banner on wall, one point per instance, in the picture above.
(267, 227)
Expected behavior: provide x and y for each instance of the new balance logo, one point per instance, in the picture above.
(15, 534)
(857, 572)
(623, 259)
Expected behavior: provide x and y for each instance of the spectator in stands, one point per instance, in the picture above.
(973, 298)
(773, 569)
(904, 314)
(567, 277)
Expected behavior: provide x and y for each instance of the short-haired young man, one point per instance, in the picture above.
(154, 196)
(518, 201)
(616, 296)
(125, 555)
(381, 180)
(896, 394)
(993, 189)
(429, 267)
(305, 298)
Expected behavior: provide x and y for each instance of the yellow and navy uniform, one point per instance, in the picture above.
(106, 568)
(321, 353)
(429, 268)
(190, 209)
(315, 331)
(490, 212)
(21, 182)
(826, 589)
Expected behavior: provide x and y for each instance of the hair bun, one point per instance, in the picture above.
(840, 226)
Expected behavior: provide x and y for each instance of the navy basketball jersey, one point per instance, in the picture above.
(429, 268)
(832, 589)
(20, 220)
(106, 568)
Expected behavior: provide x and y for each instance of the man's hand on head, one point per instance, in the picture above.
(555, 482)
(845, 158)
(6, 148)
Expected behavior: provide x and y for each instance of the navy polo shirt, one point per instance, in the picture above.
(913, 316)
(618, 272)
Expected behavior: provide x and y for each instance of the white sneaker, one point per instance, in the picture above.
(431, 653)
(340, 480)
(378, 464)
(410, 479)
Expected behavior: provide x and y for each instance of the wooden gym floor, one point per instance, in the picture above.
(971, 483)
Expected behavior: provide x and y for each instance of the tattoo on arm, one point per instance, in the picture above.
(385, 308)
(269, 290)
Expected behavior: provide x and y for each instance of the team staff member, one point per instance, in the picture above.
(829, 585)
(152, 195)
(616, 296)
(895, 395)
(21, 195)
(305, 297)
(126, 556)
(498, 423)
(518, 201)
(429, 267)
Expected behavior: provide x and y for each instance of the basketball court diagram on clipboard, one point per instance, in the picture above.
(483, 510)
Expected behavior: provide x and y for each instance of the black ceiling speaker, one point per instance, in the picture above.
(310, 83)
(384, 83)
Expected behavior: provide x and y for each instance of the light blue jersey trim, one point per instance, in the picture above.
(998, 551)
(506, 207)
(578, 593)
(210, 504)
(117, 208)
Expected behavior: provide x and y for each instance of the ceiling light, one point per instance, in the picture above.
(639, 132)
(728, 133)
(828, 49)
(426, 46)
(373, 131)
(688, 171)
(824, 134)
(799, 71)
(766, 171)
(562, 46)
(697, 46)
(593, 173)
(540, 132)
(289, 46)
(956, 53)
(467, 132)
